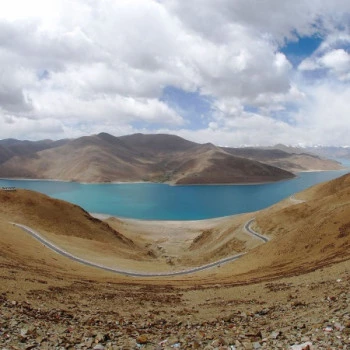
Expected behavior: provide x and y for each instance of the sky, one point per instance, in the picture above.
(229, 72)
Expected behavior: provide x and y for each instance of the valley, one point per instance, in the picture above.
(291, 290)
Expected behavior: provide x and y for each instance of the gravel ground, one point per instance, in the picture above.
(289, 315)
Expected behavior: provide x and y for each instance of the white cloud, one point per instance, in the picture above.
(336, 62)
(15, 10)
(336, 59)
(248, 130)
(331, 57)
(119, 109)
(13, 126)
(272, 19)
(75, 67)
(324, 115)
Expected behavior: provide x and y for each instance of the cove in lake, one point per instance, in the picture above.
(163, 202)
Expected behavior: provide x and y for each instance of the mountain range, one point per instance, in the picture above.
(155, 158)
(331, 152)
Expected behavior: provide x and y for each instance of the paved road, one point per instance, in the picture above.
(61, 251)
(254, 233)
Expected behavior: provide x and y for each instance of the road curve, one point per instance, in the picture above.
(254, 233)
(64, 253)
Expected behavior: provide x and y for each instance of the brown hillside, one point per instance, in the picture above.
(5, 154)
(219, 167)
(155, 158)
(287, 158)
(158, 143)
(56, 217)
(11, 147)
(337, 187)
(305, 236)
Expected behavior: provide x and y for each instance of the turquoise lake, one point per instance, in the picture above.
(164, 202)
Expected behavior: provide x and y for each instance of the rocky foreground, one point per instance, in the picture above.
(314, 316)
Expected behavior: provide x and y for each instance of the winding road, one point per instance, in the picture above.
(64, 253)
(254, 233)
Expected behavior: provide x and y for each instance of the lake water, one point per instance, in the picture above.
(164, 202)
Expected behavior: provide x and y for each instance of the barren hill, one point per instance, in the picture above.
(155, 144)
(12, 147)
(305, 236)
(62, 222)
(216, 166)
(157, 158)
(287, 158)
(330, 152)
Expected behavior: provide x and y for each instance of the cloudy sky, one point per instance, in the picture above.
(231, 72)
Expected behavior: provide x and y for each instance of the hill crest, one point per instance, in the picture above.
(145, 157)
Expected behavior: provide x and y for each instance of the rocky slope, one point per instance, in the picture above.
(276, 315)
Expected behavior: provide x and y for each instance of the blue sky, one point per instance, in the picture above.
(300, 48)
(192, 106)
(232, 72)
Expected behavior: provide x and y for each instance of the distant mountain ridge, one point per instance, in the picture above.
(12, 147)
(288, 158)
(331, 152)
(155, 158)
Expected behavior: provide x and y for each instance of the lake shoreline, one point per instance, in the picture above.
(163, 202)
(150, 182)
(296, 174)
(103, 216)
